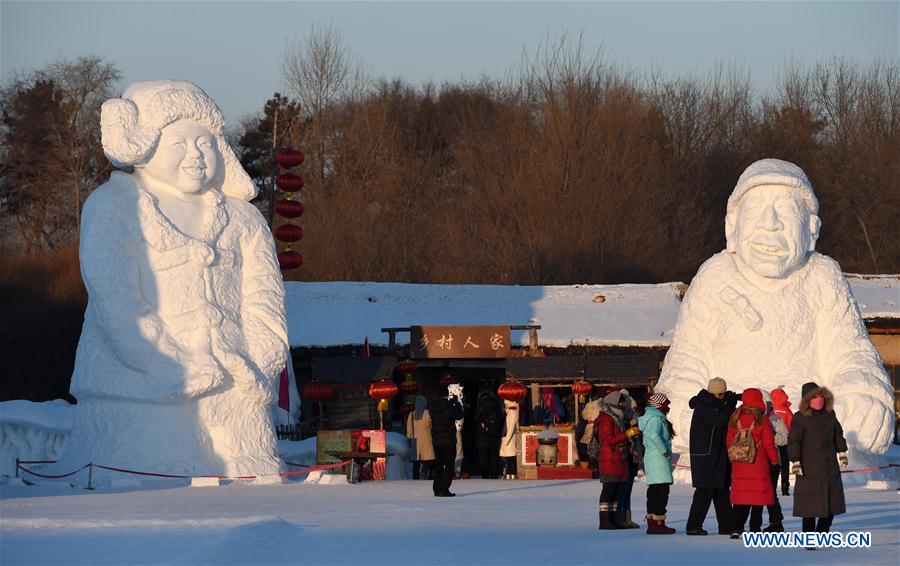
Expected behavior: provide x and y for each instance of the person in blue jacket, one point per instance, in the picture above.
(657, 434)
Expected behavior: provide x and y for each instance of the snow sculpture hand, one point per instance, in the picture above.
(868, 424)
(202, 374)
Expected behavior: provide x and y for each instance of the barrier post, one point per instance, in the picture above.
(90, 476)
(17, 466)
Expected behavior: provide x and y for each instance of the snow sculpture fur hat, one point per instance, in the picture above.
(130, 127)
(773, 172)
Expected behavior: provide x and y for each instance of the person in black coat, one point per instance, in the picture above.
(444, 414)
(817, 450)
(488, 426)
(710, 468)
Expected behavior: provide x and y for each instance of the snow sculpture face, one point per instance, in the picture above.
(772, 231)
(186, 157)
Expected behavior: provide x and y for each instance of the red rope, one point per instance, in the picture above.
(37, 461)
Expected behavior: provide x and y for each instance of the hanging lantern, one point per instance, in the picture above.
(407, 367)
(448, 380)
(582, 388)
(316, 391)
(288, 232)
(406, 409)
(289, 208)
(409, 387)
(288, 158)
(290, 259)
(383, 389)
(512, 391)
(288, 182)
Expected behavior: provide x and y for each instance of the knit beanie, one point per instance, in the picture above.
(717, 385)
(657, 400)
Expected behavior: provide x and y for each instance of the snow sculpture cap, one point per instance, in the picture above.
(130, 127)
(774, 172)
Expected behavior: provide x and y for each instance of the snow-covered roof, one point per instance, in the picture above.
(338, 313)
(878, 296)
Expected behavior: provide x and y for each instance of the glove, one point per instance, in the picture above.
(842, 460)
(796, 469)
(641, 473)
(667, 454)
(632, 432)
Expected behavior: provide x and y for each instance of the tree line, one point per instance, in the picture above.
(567, 169)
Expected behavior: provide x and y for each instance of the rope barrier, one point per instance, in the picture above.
(307, 470)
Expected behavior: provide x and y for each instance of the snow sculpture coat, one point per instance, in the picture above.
(815, 439)
(810, 326)
(710, 467)
(751, 483)
(657, 446)
(165, 311)
(509, 442)
(419, 429)
(612, 460)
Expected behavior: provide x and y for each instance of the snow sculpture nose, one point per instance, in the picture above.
(769, 220)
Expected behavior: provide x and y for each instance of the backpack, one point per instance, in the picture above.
(593, 447)
(743, 449)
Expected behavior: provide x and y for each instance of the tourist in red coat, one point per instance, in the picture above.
(751, 482)
(612, 431)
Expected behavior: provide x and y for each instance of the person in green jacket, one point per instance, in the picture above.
(657, 433)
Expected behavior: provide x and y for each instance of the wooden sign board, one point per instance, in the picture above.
(459, 341)
(332, 441)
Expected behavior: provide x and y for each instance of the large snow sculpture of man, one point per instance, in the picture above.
(184, 334)
(771, 311)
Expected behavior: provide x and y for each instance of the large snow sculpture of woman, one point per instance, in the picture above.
(771, 311)
(185, 332)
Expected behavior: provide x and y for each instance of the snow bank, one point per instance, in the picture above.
(33, 431)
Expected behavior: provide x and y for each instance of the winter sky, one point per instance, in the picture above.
(234, 49)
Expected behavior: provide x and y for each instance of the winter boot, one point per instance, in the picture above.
(656, 525)
(617, 519)
(606, 518)
(628, 522)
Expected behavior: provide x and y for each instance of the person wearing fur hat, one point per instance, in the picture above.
(509, 442)
(634, 450)
(612, 432)
(710, 468)
(751, 482)
(818, 452)
(782, 407)
(776, 517)
(184, 333)
(657, 433)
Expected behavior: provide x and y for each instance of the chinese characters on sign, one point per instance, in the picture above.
(459, 341)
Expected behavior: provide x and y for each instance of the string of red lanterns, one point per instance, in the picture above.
(289, 208)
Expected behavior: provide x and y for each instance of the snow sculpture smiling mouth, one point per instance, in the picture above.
(768, 252)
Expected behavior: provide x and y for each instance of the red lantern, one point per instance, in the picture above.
(288, 158)
(406, 409)
(316, 391)
(407, 367)
(288, 182)
(383, 389)
(409, 387)
(288, 232)
(582, 387)
(512, 391)
(290, 260)
(289, 208)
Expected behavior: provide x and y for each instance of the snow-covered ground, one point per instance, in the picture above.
(489, 522)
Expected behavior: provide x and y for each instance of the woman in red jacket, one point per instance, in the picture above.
(612, 432)
(751, 484)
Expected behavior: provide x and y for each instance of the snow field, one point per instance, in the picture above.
(489, 522)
